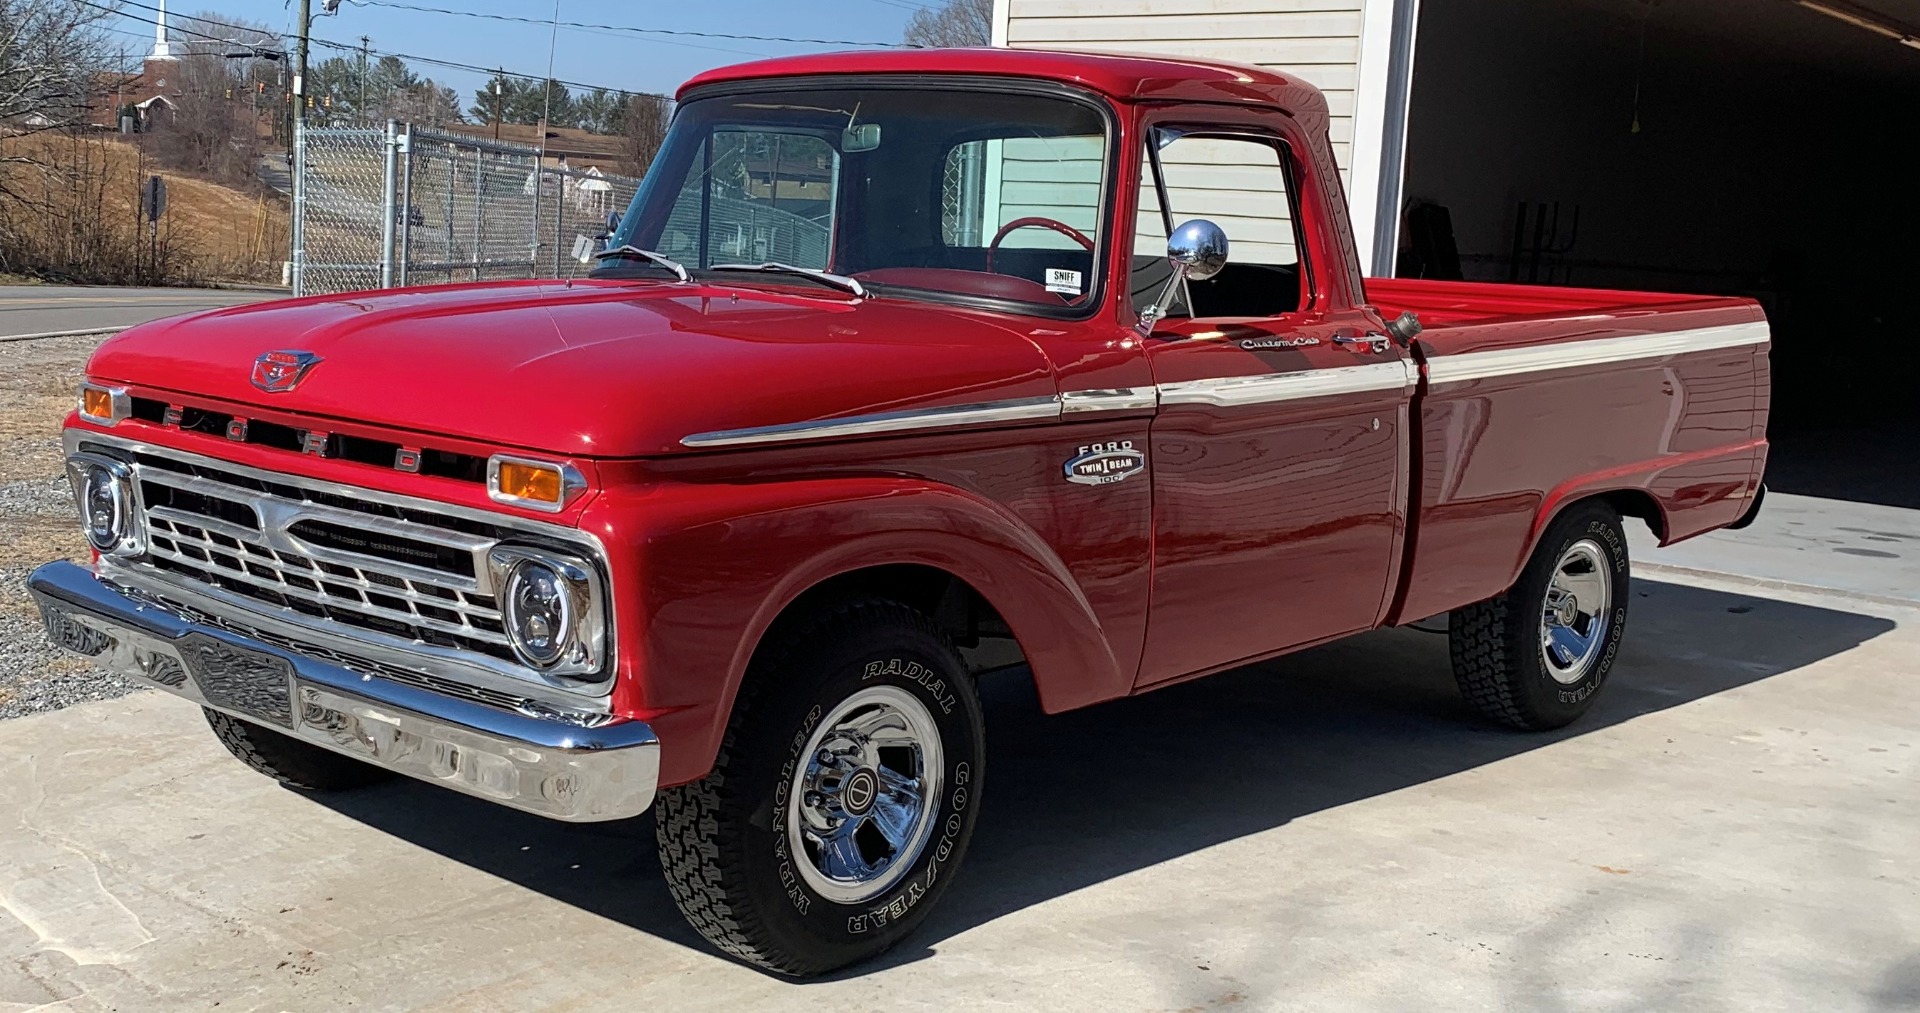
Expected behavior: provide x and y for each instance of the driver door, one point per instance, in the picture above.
(1279, 448)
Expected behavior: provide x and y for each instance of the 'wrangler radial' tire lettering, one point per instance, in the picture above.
(1535, 656)
(842, 799)
(288, 760)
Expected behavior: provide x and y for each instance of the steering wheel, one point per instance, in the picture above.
(1036, 223)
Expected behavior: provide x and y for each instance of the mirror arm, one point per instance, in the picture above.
(1156, 311)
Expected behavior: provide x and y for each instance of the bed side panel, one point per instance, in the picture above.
(1517, 420)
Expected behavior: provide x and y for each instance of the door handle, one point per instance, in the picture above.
(1363, 342)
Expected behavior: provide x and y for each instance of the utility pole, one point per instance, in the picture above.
(365, 41)
(498, 80)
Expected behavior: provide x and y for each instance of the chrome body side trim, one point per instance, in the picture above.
(1112, 399)
(536, 762)
(1595, 352)
(1233, 391)
(1012, 410)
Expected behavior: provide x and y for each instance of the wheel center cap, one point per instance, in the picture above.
(1567, 611)
(858, 791)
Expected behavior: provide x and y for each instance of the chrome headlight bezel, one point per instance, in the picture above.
(583, 650)
(126, 534)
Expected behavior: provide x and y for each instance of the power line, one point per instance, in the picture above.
(620, 28)
(331, 44)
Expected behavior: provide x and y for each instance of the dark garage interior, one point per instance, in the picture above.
(1762, 148)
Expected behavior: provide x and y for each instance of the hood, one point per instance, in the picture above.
(595, 369)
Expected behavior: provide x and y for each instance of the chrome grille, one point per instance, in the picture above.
(400, 575)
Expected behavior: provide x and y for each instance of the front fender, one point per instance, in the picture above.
(701, 572)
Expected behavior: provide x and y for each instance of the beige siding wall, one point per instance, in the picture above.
(1316, 40)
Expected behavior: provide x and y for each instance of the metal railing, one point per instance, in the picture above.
(412, 206)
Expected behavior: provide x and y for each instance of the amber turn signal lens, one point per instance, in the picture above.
(105, 405)
(537, 482)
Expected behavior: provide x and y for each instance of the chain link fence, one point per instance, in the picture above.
(411, 206)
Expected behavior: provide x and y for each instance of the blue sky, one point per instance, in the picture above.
(616, 60)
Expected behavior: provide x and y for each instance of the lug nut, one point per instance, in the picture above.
(814, 799)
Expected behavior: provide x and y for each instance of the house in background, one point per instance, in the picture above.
(153, 91)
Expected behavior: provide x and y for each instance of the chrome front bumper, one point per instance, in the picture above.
(550, 767)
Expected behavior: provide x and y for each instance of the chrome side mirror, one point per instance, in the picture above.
(1197, 250)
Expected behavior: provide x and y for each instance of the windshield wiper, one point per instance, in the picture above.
(647, 255)
(775, 267)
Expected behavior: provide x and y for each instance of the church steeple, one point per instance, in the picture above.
(161, 51)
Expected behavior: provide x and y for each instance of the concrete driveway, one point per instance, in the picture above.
(1733, 828)
(42, 309)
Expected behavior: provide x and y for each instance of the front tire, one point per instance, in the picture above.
(288, 760)
(1534, 657)
(843, 797)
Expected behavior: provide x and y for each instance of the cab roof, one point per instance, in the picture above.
(1120, 76)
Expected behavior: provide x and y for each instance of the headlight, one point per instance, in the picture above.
(103, 489)
(552, 608)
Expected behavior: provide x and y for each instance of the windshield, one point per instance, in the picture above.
(924, 191)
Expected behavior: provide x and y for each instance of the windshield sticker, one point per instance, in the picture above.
(1062, 281)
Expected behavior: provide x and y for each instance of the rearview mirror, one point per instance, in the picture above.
(864, 137)
(1197, 250)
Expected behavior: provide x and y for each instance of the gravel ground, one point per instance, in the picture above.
(37, 523)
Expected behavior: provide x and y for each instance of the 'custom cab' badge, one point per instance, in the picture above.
(1105, 463)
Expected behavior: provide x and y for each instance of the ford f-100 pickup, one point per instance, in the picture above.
(901, 368)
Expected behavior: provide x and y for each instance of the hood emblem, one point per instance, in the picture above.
(278, 372)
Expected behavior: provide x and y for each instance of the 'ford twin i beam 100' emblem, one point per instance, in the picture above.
(1105, 463)
(277, 372)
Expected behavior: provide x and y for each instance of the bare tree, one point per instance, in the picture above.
(955, 24)
(50, 51)
(644, 127)
(217, 116)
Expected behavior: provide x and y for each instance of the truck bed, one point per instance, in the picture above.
(1534, 396)
(1442, 304)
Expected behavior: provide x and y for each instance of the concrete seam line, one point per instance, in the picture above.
(1670, 570)
(65, 334)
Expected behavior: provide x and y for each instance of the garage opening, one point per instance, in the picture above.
(1762, 148)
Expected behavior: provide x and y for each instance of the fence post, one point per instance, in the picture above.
(406, 200)
(479, 204)
(299, 252)
(533, 255)
(559, 220)
(386, 206)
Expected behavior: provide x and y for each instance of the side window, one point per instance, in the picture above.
(986, 184)
(1241, 185)
(764, 196)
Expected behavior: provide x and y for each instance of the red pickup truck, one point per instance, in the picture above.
(901, 370)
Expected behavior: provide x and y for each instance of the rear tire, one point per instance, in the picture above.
(288, 760)
(842, 799)
(1535, 657)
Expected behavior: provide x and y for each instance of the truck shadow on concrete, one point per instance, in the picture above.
(1079, 798)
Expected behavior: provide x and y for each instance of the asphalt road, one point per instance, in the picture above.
(39, 309)
(1731, 828)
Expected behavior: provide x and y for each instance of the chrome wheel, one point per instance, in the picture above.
(861, 809)
(1575, 616)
